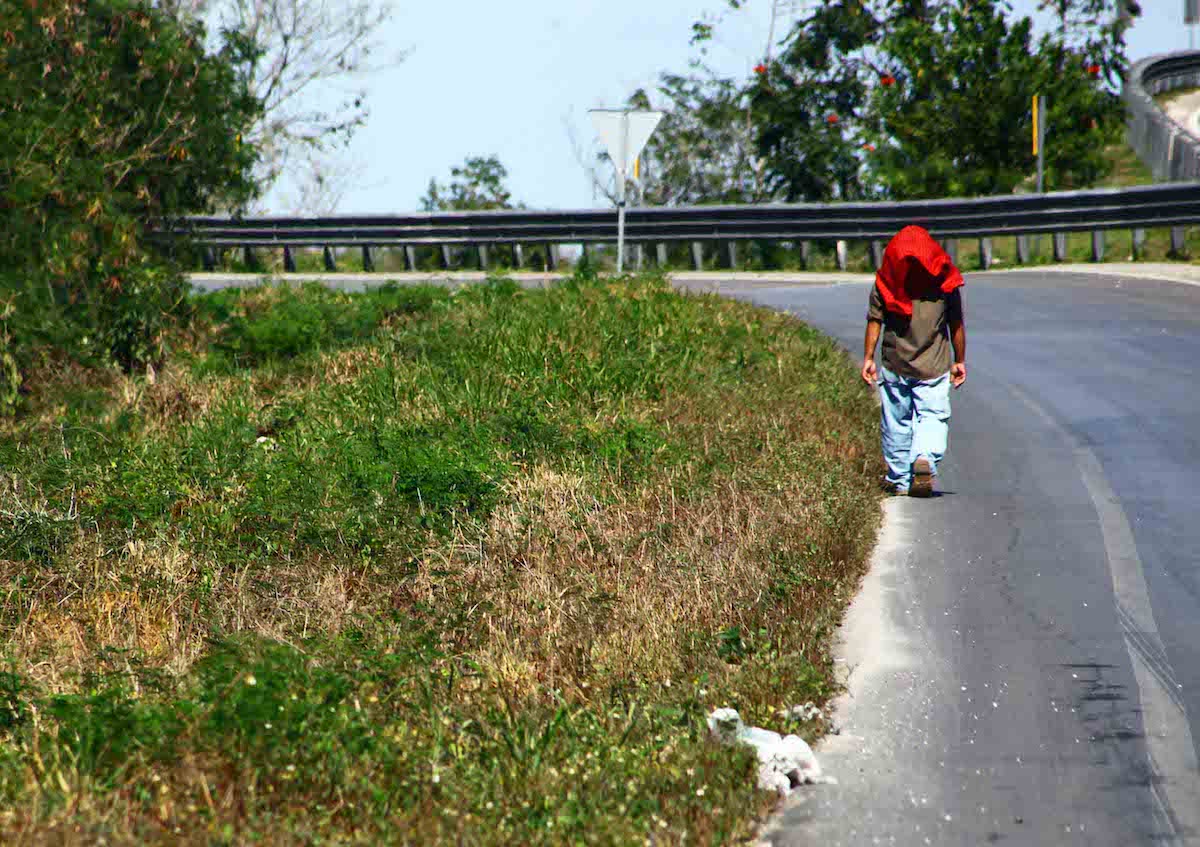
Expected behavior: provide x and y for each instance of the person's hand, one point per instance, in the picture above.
(868, 371)
(958, 374)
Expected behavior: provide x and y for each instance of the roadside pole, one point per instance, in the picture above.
(1039, 138)
(624, 132)
(1039, 150)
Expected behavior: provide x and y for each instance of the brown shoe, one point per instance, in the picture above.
(922, 479)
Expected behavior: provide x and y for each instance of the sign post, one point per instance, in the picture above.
(1039, 137)
(624, 132)
(1191, 17)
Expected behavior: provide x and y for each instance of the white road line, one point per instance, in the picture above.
(1175, 784)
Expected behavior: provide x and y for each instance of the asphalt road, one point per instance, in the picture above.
(1025, 658)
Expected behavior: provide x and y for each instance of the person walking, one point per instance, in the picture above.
(916, 306)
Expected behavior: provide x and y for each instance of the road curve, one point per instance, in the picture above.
(1025, 657)
(1184, 110)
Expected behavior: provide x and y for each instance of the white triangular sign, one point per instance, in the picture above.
(624, 133)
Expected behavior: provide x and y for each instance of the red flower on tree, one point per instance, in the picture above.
(760, 69)
(1093, 70)
(832, 119)
(870, 148)
(887, 80)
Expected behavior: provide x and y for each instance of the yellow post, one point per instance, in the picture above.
(1035, 124)
(637, 168)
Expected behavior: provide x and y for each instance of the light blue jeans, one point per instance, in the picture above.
(915, 422)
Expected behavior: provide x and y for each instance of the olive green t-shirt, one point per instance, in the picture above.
(918, 347)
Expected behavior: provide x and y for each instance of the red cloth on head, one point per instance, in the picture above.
(913, 265)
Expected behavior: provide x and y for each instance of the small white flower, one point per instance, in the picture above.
(250, 680)
(700, 791)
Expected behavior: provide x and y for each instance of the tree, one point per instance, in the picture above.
(922, 99)
(704, 149)
(807, 105)
(301, 60)
(114, 122)
(476, 184)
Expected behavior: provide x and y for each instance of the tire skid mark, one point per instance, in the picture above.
(1175, 786)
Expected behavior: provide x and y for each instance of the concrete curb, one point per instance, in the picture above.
(1181, 272)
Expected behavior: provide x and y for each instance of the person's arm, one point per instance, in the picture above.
(871, 338)
(958, 339)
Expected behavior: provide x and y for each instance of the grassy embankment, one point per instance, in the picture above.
(425, 567)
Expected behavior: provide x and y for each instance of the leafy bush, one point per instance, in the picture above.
(307, 318)
(115, 123)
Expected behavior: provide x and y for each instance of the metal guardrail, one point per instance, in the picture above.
(1135, 209)
(1171, 151)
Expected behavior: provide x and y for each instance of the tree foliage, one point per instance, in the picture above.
(903, 99)
(476, 184)
(934, 98)
(704, 150)
(113, 120)
(307, 56)
(958, 118)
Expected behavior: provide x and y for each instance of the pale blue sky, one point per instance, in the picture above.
(507, 78)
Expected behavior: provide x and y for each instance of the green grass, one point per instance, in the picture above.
(422, 566)
(1126, 168)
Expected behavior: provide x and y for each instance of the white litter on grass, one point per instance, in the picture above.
(807, 712)
(784, 762)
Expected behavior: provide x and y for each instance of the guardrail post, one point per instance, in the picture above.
(639, 257)
(330, 264)
(289, 261)
(876, 254)
(248, 257)
(733, 255)
(660, 251)
(1138, 241)
(840, 250)
(950, 245)
(368, 261)
(1022, 249)
(447, 262)
(1060, 246)
(1097, 245)
(697, 256)
(1178, 242)
(805, 253)
(208, 259)
(410, 257)
(551, 257)
(518, 256)
(483, 257)
(985, 253)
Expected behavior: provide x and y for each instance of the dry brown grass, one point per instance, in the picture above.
(136, 598)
